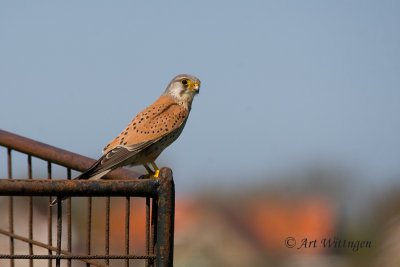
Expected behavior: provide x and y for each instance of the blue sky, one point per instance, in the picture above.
(285, 84)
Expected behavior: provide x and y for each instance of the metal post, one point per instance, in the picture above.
(165, 219)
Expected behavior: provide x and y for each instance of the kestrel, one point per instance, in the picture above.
(150, 132)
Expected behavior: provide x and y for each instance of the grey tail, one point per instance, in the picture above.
(91, 173)
(55, 201)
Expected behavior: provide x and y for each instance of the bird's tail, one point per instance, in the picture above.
(55, 201)
(90, 174)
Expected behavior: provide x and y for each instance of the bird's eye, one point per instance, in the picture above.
(185, 82)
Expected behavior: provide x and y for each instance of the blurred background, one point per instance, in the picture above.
(295, 132)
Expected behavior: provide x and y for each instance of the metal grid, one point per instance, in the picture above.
(159, 212)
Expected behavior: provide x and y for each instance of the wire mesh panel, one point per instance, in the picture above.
(122, 222)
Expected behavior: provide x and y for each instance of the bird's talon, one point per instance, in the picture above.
(156, 174)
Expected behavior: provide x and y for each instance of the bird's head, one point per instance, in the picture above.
(182, 89)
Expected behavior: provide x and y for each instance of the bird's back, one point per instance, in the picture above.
(158, 120)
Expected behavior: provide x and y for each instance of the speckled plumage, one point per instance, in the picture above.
(162, 117)
(151, 131)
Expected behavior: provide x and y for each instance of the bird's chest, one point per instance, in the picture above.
(164, 142)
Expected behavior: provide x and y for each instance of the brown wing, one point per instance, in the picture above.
(148, 127)
(159, 119)
(114, 158)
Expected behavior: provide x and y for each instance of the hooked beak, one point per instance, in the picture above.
(196, 88)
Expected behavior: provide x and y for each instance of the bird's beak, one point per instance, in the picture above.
(195, 88)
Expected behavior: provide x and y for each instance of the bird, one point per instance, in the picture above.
(150, 131)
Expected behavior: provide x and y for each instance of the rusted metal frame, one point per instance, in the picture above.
(159, 203)
(56, 155)
(30, 212)
(162, 203)
(127, 215)
(165, 220)
(40, 187)
(49, 216)
(10, 207)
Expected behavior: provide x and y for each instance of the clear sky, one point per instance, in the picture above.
(285, 84)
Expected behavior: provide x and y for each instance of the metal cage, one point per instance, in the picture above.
(159, 195)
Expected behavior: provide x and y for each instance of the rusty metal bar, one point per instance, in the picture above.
(69, 225)
(127, 215)
(59, 229)
(147, 239)
(153, 227)
(10, 207)
(49, 216)
(57, 155)
(89, 227)
(165, 219)
(40, 187)
(107, 229)
(30, 212)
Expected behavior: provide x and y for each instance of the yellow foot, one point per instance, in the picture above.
(152, 175)
(155, 175)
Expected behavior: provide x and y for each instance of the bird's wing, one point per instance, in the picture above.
(113, 159)
(147, 128)
(159, 119)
